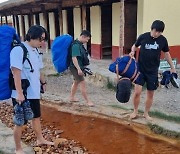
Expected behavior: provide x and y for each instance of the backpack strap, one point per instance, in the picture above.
(135, 72)
(124, 78)
(117, 71)
(127, 66)
(137, 75)
(25, 56)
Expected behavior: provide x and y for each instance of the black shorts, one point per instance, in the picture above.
(35, 106)
(151, 81)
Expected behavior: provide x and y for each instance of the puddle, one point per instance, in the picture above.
(102, 136)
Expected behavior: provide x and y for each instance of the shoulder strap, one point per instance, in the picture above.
(76, 42)
(25, 56)
(127, 66)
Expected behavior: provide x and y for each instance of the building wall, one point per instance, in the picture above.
(115, 29)
(167, 11)
(95, 17)
(52, 26)
(77, 22)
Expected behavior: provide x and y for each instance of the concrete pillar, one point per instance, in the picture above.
(77, 22)
(84, 24)
(115, 30)
(95, 18)
(52, 26)
(121, 33)
(22, 27)
(26, 21)
(64, 14)
(41, 20)
(34, 19)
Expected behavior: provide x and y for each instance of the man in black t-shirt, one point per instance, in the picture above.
(151, 44)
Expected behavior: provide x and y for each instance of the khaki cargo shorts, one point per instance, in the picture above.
(76, 77)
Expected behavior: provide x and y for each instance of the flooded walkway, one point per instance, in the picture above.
(101, 136)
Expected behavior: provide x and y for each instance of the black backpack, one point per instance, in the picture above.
(24, 82)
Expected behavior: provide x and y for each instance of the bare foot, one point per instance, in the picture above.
(148, 117)
(133, 115)
(19, 152)
(44, 142)
(90, 103)
(74, 100)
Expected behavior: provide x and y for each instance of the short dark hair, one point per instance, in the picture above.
(36, 32)
(85, 33)
(158, 25)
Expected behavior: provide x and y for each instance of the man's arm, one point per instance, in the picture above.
(75, 62)
(133, 50)
(17, 80)
(169, 60)
(43, 81)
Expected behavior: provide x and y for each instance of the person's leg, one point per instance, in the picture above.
(17, 138)
(84, 93)
(36, 124)
(152, 85)
(75, 84)
(136, 100)
(17, 133)
(73, 91)
(38, 131)
(149, 101)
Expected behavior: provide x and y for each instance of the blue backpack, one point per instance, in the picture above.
(127, 67)
(8, 40)
(7, 35)
(61, 52)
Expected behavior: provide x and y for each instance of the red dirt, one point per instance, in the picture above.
(103, 136)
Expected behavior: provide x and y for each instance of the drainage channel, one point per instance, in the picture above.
(103, 136)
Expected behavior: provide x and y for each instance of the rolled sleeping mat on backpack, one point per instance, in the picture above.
(123, 92)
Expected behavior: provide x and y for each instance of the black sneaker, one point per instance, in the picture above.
(174, 80)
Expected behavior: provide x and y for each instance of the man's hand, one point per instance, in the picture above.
(80, 72)
(20, 98)
(173, 70)
(131, 54)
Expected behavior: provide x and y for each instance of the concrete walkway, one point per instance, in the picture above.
(7, 145)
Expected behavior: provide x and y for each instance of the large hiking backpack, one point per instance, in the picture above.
(61, 52)
(127, 67)
(8, 40)
(7, 35)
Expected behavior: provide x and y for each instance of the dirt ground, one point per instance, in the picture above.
(165, 100)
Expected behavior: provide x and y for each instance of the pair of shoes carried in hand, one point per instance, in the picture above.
(22, 112)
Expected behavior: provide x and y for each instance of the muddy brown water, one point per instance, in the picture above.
(102, 136)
